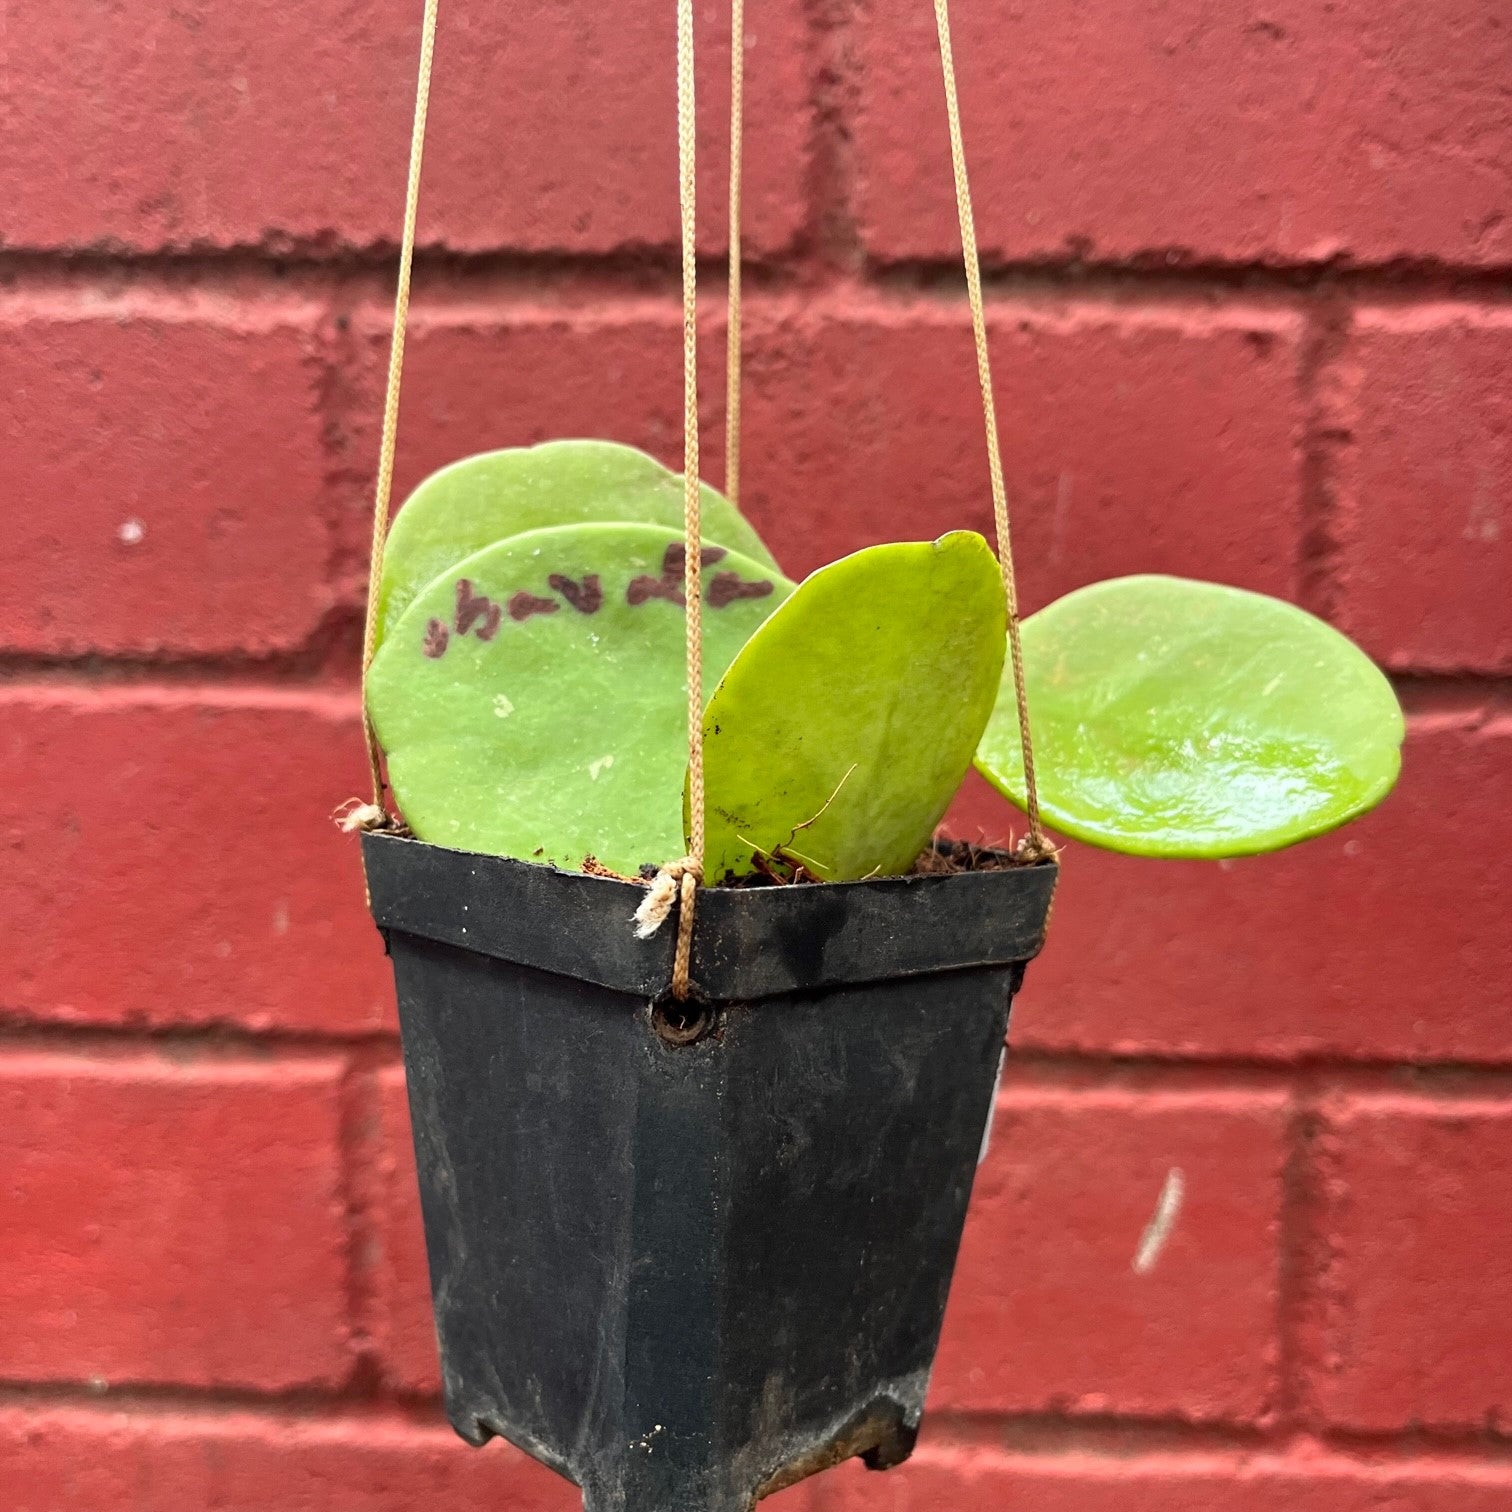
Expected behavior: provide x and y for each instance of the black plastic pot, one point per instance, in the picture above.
(687, 1255)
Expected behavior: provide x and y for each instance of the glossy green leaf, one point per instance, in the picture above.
(483, 499)
(843, 729)
(1174, 718)
(532, 700)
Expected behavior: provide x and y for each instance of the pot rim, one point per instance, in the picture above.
(748, 943)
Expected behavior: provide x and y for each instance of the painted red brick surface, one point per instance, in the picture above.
(164, 474)
(1249, 275)
(1123, 1253)
(171, 1219)
(1412, 1330)
(172, 860)
(1424, 488)
(1284, 132)
(554, 127)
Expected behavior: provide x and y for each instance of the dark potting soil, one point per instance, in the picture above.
(943, 858)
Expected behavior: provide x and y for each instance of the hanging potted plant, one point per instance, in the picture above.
(701, 1024)
(688, 1247)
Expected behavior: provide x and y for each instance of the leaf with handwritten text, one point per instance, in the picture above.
(487, 498)
(532, 701)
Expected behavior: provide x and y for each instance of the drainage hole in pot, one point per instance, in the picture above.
(681, 1023)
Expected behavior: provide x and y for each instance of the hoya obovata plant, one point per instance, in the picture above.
(529, 690)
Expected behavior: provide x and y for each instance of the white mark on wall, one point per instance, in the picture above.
(1060, 516)
(601, 765)
(1484, 522)
(502, 707)
(1162, 1222)
(132, 532)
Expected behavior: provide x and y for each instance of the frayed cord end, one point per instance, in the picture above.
(355, 816)
(662, 894)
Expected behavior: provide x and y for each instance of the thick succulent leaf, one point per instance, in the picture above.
(843, 729)
(1174, 718)
(532, 701)
(483, 499)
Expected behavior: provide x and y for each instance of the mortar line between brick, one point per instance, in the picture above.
(1031, 1435)
(361, 1153)
(1050, 1434)
(1300, 1255)
(1386, 282)
(25, 1035)
(1035, 1068)
(1191, 1070)
(1325, 432)
(809, 267)
(328, 666)
(306, 1404)
(830, 245)
(336, 356)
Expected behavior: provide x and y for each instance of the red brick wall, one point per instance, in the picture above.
(1250, 269)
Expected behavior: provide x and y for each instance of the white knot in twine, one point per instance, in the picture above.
(676, 879)
(663, 893)
(354, 815)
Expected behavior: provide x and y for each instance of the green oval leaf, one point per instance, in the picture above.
(843, 729)
(1174, 718)
(487, 498)
(532, 701)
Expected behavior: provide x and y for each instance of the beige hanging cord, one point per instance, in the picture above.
(681, 878)
(732, 331)
(1034, 844)
(374, 815)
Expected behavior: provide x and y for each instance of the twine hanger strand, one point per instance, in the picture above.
(1034, 845)
(678, 880)
(691, 866)
(732, 328)
(376, 816)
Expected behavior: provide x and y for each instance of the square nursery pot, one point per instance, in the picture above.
(689, 1254)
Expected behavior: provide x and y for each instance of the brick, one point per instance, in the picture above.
(1067, 1298)
(164, 476)
(1385, 940)
(171, 860)
(171, 1221)
(863, 422)
(72, 1459)
(78, 1459)
(1415, 1324)
(946, 1478)
(1424, 522)
(405, 1330)
(552, 127)
(1283, 132)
